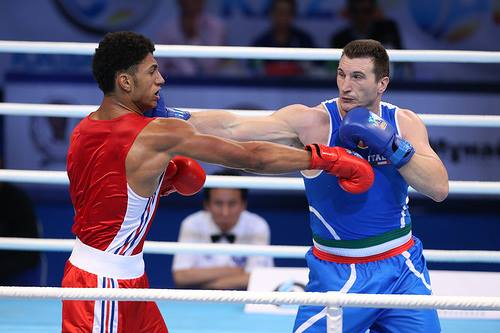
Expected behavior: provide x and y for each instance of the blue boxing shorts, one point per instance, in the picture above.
(405, 273)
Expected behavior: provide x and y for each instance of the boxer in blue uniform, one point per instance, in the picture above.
(362, 243)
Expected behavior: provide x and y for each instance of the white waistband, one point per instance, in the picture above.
(106, 264)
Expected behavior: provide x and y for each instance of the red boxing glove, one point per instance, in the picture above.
(355, 174)
(184, 176)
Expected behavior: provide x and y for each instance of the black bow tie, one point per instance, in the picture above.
(217, 237)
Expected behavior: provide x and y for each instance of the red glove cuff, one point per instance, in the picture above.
(322, 157)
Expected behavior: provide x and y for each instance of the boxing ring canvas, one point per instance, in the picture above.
(44, 316)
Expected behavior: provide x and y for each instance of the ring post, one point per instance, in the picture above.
(333, 316)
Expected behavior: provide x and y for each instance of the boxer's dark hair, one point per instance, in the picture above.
(118, 52)
(369, 48)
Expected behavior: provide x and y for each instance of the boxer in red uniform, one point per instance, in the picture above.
(120, 162)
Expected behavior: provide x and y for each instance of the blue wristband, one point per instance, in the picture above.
(401, 153)
(177, 113)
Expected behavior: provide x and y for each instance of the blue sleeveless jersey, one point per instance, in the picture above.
(336, 214)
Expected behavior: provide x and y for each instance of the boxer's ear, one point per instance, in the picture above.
(125, 82)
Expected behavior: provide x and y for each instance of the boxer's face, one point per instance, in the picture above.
(147, 81)
(357, 83)
(225, 205)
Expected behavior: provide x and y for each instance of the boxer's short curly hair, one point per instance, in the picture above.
(369, 48)
(118, 52)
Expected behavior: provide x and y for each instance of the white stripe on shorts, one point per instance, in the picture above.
(345, 288)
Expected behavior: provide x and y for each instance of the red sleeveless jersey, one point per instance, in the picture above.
(109, 216)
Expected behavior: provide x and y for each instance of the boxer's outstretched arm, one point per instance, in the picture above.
(162, 139)
(424, 172)
(355, 174)
(177, 137)
(283, 126)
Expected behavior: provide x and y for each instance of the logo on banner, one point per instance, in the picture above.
(450, 20)
(103, 16)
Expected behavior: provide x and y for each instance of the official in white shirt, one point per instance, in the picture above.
(224, 220)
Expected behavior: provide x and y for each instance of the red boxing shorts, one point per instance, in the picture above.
(108, 316)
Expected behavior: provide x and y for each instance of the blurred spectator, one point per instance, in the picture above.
(283, 33)
(50, 136)
(193, 26)
(18, 268)
(366, 21)
(224, 220)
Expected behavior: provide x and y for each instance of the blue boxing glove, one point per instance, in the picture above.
(359, 124)
(163, 112)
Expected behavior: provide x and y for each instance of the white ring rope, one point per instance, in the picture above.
(250, 182)
(80, 111)
(275, 251)
(306, 298)
(245, 52)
